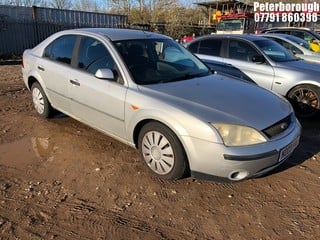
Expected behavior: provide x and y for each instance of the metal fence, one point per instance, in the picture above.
(25, 27)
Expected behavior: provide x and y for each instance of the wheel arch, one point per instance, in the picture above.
(138, 128)
(306, 82)
(143, 122)
(34, 78)
(31, 81)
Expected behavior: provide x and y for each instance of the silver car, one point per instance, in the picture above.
(182, 118)
(268, 64)
(297, 46)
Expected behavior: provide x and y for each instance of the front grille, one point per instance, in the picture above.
(278, 127)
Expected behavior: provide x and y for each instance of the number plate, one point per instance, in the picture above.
(285, 152)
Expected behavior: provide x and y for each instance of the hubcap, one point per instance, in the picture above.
(38, 100)
(157, 152)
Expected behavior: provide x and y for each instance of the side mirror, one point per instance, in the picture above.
(105, 73)
(258, 59)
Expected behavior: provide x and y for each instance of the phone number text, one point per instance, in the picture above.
(286, 17)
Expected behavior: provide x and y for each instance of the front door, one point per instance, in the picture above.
(240, 55)
(98, 102)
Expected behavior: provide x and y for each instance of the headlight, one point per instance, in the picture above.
(237, 135)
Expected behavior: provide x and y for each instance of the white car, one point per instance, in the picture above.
(182, 117)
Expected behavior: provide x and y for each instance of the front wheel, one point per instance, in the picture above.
(305, 100)
(40, 101)
(162, 151)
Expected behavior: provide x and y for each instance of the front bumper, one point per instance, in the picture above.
(215, 161)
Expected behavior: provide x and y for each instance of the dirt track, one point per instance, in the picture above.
(63, 180)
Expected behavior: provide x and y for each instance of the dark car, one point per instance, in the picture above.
(227, 69)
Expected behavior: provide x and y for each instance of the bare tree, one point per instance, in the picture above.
(26, 3)
(61, 4)
(89, 5)
(121, 6)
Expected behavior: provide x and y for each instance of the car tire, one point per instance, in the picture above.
(162, 151)
(305, 100)
(40, 101)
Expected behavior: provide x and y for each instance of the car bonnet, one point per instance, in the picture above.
(308, 67)
(216, 98)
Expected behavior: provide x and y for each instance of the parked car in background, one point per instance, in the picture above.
(298, 48)
(269, 65)
(178, 114)
(227, 70)
(312, 37)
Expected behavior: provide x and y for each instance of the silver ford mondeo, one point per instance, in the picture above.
(149, 92)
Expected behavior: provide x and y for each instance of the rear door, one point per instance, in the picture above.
(54, 69)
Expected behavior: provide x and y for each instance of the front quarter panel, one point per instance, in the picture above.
(286, 79)
(141, 108)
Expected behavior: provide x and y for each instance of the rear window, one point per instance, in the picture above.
(61, 49)
(210, 47)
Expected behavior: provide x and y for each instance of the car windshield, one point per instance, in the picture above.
(229, 24)
(317, 35)
(299, 41)
(159, 60)
(275, 51)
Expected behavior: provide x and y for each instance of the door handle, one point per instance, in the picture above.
(74, 82)
(41, 68)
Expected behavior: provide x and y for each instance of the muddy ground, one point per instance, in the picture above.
(60, 179)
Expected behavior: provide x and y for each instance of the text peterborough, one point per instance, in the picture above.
(286, 7)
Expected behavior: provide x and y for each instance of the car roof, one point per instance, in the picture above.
(116, 34)
(249, 37)
(283, 36)
(278, 35)
(287, 28)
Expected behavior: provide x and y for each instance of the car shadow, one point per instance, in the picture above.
(309, 145)
(58, 114)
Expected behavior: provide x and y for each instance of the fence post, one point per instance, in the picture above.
(35, 24)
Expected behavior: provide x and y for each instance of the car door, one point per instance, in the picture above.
(240, 54)
(98, 102)
(54, 69)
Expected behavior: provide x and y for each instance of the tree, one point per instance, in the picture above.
(121, 6)
(89, 5)
(26, 3)
(61, 4)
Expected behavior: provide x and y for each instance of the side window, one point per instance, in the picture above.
(308, 37)
(241, 51)
(210, 47)
(194, 47)
(297, 34)
(47, 51)
(94, 55)
(61, 49)
(288, 46)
